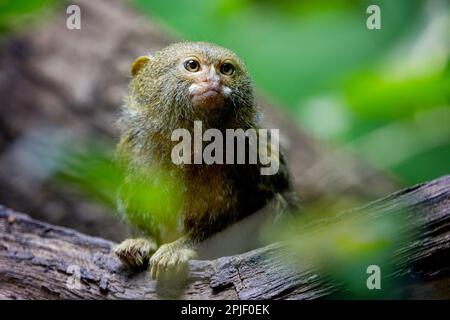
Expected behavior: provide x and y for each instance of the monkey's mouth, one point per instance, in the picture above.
(208, 97)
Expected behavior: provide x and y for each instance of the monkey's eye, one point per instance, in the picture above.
(192, 65)
(227, 69)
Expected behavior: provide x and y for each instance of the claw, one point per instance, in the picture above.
(170, 259)
(135, 252)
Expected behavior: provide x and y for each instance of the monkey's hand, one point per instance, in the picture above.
(135, 252)
(172, 258)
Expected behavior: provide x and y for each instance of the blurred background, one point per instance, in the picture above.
(361, 112)
(383, 94)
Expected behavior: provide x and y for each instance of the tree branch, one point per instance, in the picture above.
(37, 259)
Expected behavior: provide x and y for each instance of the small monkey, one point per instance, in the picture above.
(180, 84)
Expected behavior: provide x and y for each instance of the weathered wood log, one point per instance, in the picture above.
(39, 260)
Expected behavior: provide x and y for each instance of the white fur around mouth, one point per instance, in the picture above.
(200, 90)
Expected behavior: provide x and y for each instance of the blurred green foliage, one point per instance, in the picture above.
(15, 14)
(150, 197)
(342, 249)
(91, 167)
(341, 80)
(293, 48)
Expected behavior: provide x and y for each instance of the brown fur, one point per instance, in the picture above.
(214, 196)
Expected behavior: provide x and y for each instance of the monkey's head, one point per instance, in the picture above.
(188, 79)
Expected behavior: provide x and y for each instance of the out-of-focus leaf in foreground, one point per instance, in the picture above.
(151, 197)
(342, 249)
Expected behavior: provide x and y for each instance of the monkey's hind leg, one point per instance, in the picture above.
(135, 252)
(172, 258)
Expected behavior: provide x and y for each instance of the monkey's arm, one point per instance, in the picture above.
(282, 185)
(136, 251)
(270, 184)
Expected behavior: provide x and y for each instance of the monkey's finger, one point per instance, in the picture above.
(154, 261)
(154, 272)
(159, 271)
(158, 268)
(153, 269)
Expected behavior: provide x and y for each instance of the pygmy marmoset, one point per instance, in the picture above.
(180, 84)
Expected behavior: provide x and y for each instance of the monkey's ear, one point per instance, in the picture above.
(138, 64)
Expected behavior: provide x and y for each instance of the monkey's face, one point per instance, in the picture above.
(211, 77)
(189, 80)
(209, 80)
(201, 77)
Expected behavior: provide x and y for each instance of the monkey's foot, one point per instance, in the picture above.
(135, 252)
(171, 259)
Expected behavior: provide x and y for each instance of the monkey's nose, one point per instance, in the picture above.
(213, 85)
(211, 82)
(211, 77)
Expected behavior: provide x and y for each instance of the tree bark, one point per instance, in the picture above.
(40, 261)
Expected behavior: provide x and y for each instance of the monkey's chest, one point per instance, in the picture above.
(215, 199)
(209, 192)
